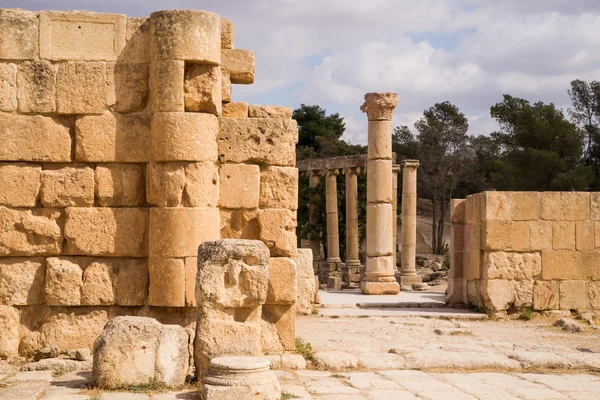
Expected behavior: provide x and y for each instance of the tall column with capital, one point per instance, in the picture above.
(379, 274)
(408, 239)
(352, 217)
(395, 170)
(315, 245)
(331, 205)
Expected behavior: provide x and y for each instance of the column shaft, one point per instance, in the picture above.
(333, 238)
(395, 170)
(315, 245)
(352, 217)
(408, 238)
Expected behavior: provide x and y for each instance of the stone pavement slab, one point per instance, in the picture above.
(351, 297)
(401, 312)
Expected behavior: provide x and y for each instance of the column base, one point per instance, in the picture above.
(374, 288)
(408, 280)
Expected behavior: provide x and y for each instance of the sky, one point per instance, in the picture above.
(332, 52)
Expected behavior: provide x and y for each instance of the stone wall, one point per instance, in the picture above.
(511, 250)
(121, 152)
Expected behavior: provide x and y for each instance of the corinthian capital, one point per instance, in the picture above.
(379, 106)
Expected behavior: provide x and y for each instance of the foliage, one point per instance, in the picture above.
(304, 349)
(285, 395)
(526, 313)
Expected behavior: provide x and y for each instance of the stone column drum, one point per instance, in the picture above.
(333, 238)
(395, 170)
(315, 245)
(408, 272)
(379, 274)
(352, 261)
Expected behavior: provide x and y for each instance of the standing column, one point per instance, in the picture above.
(379, 274)
(395, 170)
(352, 260)
(315, 245)
(408, 272)
(333, 238)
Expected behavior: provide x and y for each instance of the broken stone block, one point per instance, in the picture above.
(139, 351)
(67, 187)
(237, 109)
(334, 282)
(511, 266)
(334, 360)
(545, 295)
(279, 188)
(58, 366)
(240, 64)
(120, 185)
(225, 87)
(305, 282)
(286, 361)
(227, 34)
(37, 87)
(64, 281)
(277, 228)
(137, 47)
(239, 224)
(283, 319)
(569, 325)
(202, 89)
(187, 184)
(8, 87)
(99, 280)
(282, 281)
(20, 184)
(240, 186)
(255, 111)
(9, 326)
(22, 281)
(19, 33)
(30, 232)
(128, 87)
(81, 88)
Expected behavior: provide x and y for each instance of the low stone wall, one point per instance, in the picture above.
(121, 152)
(511, 250)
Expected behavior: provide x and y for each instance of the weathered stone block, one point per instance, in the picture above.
(261, 140)
(184, 137)
(137, 45)
(282, 281)
(187, 184)
(257, 111)
(240, 186)
(506, 235)
(167, 282)
(34, 138)
(120, 185)
(225, 87)
(546, 295)
(237, 109)
(511, 266)
(81, 35)
(227, 33)
(81, 88)
(569, 264)
(540, 235)
(186, 35)
(594, 295)
(284, 319)
(584, 235)
(563, 235)
(379, 219)
(19, 33)
(202, 185)
(191, 269)
(166, 86)
(115, 232)
(565, 206)
(36, 84)
(379, 171)
(128, 87)
(498, 294)
(30, 232)
(67, 187)
(99, 280)
(279, 188)
(8, 87)
(177, 232)
(239, 224)
(9, 326)
(458, 211)
(75, 329)
(22, 281)
(132, 282)
(573, 295)
(277, 229)
(595, 206)
(473, 209)
(513, 206)
(19, 184)
(140, 351)
(202, 89)
(597, 224)
(305, 282)
(240, 64)
(64, 281)
(113, 138)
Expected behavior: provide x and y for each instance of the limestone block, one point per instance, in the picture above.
(81, 88)
(184, 137)
(546, 295)
(597, 235)
(64, 281)
(128, 87)
(380, 140)
(594, 295)
(120, 185)
(279, 188)
(277, 229)
(225, 87)
(240, 64)
(132, 282)
(19, 184)
(258, 111)
(458, 212)
(563, 236)
(187, 184)
(237, 109)
(283, 317)
(30, 232)
(166, 86)
(540, 235)
(67, 187)
(512, 266)
(569, 264)
(227, 33)
(8, 87)
(112, 138)
(573, 295)
(36, 84)
(473, 209)
(191, 269)
(474, 293)
(240, 186)
(335, 360)
(137, 45)
(19, 33)
(177, 232)
(99, 279)
(595, 206)
(282, 281)
(72, 330)
(506, 235)
(514, 206)
(9, 326)
(584, 235)
(34, 138)
(22, 281)
(139, 351)
(167, 282)
(523, 294)
(81, 35)
(379, 229)
(305, 283)
(239, 224)
(498, 294)
(188, 35)
(380, 172)
(565, 206)
(202, 89)
(114, 232)
(202, 185)
(261, 140)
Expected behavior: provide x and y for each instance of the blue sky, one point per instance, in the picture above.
(332, 52)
